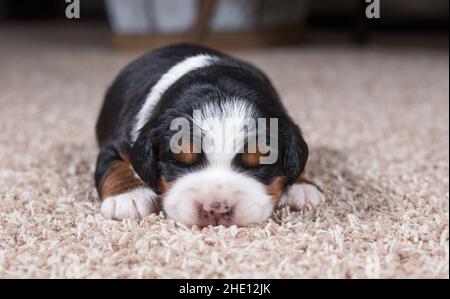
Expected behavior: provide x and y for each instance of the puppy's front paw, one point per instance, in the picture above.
(133, 204)
(301, 194)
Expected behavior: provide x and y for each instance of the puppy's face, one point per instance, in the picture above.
(227, 164)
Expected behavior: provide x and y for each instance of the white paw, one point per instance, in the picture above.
(299, 195)
(133, 204)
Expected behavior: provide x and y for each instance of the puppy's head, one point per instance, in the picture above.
(221, 161)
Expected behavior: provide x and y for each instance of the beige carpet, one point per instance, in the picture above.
(376, 119)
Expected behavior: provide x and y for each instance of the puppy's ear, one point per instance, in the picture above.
(295, 154)
(143, 159)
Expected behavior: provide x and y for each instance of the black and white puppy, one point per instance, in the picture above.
(165, 131)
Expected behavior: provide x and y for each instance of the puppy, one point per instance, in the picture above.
(203, 136)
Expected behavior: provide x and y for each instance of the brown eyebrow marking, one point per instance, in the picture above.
(187, 155)
(187, 158)
(252, 159)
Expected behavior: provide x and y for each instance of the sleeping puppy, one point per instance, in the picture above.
(203, 136)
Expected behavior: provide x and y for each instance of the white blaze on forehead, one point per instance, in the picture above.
(173, 74)
(225, 128)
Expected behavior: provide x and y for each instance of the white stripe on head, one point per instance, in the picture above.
(225, 127)
(173, 74)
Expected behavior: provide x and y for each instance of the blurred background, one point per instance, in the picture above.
(143, 24)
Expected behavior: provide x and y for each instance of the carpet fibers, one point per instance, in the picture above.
(377, 122)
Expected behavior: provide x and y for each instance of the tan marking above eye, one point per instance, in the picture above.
(187, 155)
(187, 158)
(251, 159)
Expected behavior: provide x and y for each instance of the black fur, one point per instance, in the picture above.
(227, 78)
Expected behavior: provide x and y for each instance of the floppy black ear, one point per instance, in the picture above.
(295, 154)
(143, 159)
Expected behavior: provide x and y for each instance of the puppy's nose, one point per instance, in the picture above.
(216, 207)
(216, 213)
